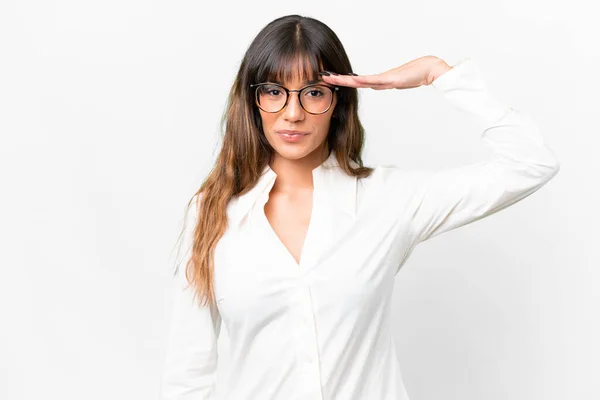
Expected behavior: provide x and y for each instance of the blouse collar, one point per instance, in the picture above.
(330, 182)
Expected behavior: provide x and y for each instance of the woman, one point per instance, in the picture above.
(296, 244)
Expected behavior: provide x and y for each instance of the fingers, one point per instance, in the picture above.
(376, 82)
(343, 80)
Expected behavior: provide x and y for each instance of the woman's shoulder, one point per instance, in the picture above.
(388, 177)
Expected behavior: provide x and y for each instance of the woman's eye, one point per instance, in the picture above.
(315, 93)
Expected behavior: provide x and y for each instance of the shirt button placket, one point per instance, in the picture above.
(308, 347)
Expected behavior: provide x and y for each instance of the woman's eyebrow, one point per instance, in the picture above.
(313, 81)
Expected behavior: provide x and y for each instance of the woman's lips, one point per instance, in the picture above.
(291, 136)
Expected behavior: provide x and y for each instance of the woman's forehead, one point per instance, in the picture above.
(296, 72)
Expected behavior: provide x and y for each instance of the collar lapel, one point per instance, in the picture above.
(334, 210)
(335, 186)
(242, 205)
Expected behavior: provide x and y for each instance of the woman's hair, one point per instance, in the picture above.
(289, 47)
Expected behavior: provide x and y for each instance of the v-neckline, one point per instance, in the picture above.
(278, 240)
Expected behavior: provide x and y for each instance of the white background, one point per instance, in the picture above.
(109, 121)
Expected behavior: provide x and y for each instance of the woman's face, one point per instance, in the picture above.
(313, 128)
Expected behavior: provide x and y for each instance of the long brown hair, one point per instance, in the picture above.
(288, 47)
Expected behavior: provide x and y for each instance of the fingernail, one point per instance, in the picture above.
(324, 73)
(352, 73)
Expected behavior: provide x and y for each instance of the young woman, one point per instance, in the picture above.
(294, 244)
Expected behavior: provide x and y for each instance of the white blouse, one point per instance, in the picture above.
(322, 329)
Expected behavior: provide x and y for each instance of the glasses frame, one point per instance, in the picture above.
(287, 93)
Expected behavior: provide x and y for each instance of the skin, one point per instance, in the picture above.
(418, 72)
(289, 206)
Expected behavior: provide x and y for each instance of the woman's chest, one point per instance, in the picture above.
(347, 262)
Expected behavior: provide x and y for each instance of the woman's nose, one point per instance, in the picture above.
(293, 109)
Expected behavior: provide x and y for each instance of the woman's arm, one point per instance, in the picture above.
(521, 163)
(445, 199)
(189, 372)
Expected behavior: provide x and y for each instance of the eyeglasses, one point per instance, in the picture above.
(314, 99)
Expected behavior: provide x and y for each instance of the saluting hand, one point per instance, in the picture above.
(418, 72)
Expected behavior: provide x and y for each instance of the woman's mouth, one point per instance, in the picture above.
(289, 136)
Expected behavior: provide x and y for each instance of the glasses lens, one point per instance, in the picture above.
(270, 98)
(315, 99)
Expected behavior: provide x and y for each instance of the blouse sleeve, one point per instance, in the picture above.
(190, 366)
(521, 163)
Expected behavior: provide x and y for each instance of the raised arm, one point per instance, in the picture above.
(521, 163)
(190, 368)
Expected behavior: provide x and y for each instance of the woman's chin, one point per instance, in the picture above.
(293, 152)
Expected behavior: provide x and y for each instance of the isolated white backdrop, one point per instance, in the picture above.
(109, 118)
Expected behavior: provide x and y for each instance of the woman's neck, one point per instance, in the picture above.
(293, 175)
